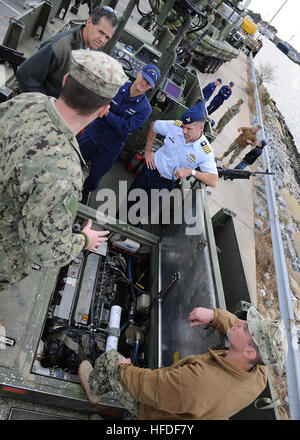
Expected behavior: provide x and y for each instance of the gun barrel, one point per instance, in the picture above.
(232, 174)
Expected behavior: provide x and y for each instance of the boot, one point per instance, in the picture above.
(84, 371)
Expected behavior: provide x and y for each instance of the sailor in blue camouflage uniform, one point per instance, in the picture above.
(103, 140)
(210, 88)
(185, 148)
(41, 167)
(224, 93)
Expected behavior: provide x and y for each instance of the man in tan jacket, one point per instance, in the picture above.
(247, 137)
(210, 386)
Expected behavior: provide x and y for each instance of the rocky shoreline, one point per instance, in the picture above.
(285, 163)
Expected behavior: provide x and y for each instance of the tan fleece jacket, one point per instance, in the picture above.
(205, 386)
(246, 134)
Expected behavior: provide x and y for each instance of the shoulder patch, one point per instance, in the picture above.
(178, 123)
(71, 203)
(206, 147)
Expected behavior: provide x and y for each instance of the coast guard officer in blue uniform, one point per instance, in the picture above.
(103, 140)
(223, 94)
(210, 88)
(185, 148)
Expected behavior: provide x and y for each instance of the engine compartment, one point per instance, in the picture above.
(100, 301)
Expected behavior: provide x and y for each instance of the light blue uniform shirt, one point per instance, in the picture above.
(176, 153)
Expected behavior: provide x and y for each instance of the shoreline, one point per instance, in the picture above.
(285, 163)
(288, 137)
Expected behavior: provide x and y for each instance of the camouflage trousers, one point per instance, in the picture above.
(104, 380)
(223, 122)
(236, 149)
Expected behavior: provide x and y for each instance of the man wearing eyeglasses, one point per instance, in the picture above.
(44, 71)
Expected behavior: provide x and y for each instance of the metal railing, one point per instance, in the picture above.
(284, 291)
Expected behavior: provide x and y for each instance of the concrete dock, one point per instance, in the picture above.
(235, 195)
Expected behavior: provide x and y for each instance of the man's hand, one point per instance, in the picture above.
(122, 360)
(149, 156)
(200, 316)
(96, 238)
(182, 173)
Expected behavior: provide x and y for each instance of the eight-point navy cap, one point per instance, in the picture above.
(231, 84)
(220, 81)
(195, 113)
(151, 73)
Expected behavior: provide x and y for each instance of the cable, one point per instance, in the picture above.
(155, 9)
(130, 278)
(137, 343)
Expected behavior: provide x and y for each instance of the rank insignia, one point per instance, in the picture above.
(206, 147)
(178, 123)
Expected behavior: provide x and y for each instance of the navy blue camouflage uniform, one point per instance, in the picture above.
(103, 140)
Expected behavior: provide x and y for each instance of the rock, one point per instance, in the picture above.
(296, 238)
(259, 224)
(262, 293)
(296, 308)
(295, 288)
(296, 267)
(261, 212)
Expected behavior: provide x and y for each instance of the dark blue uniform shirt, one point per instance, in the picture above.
(103, 139)
(224, 93)
(125, 116)
(208, 90)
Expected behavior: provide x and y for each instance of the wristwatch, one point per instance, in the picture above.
(194, 173)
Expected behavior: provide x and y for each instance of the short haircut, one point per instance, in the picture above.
(201, 121)
(81, 99)
(104, 11)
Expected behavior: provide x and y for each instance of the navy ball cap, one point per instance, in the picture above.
(195, 113)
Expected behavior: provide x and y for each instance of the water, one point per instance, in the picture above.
(285, 88)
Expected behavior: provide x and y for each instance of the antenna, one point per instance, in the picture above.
(278, 11)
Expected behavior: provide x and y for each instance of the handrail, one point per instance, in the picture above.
(284, 292)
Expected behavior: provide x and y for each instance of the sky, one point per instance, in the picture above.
(286, 21)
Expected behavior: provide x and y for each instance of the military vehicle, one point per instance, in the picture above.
(136, 293)
(213, 36)
(248, 33)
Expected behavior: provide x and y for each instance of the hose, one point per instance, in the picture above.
(130, 279)
(137, 343)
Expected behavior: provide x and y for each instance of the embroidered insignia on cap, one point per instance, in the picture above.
(178, 123)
